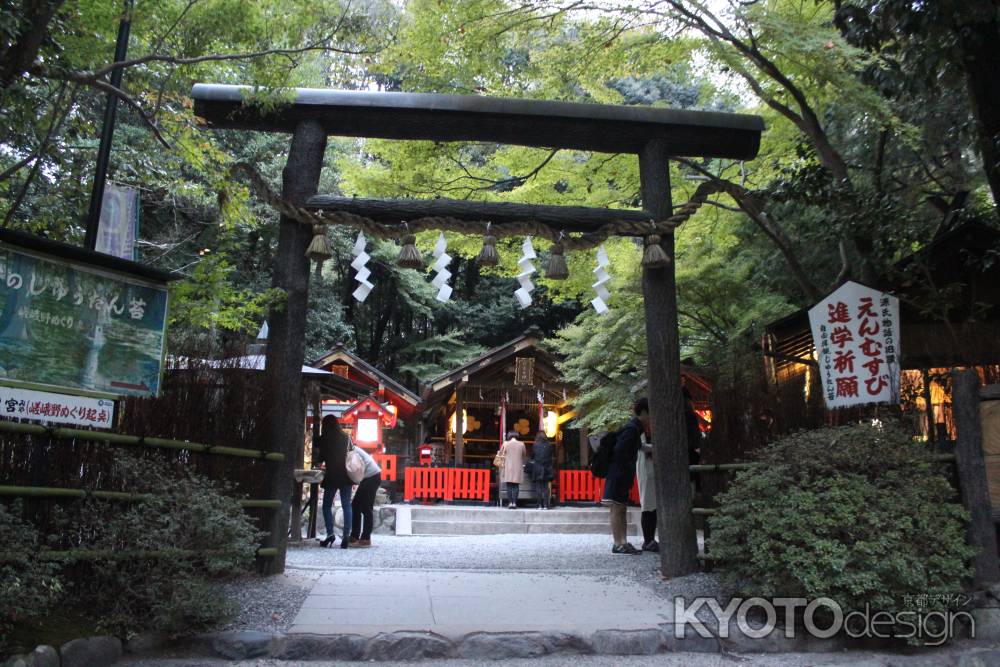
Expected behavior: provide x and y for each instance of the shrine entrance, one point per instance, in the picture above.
(654, 135)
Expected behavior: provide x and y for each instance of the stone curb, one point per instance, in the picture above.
(407, 646)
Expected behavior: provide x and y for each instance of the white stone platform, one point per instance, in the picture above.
(470, 520)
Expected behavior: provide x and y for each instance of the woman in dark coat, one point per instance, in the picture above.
(621, 475)
(542, 454)
(333, 452)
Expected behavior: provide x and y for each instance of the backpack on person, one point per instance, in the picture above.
(601, 462)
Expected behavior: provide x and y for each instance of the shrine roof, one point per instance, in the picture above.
(524, 122)
(341, 353)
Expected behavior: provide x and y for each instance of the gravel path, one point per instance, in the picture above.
(590, 554)
(270, 603)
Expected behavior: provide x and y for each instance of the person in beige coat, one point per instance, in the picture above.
(513, 469)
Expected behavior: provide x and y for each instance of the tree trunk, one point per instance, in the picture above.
(286, 335)
(981, 71)
(981, 532)
(678, 540)
(20, 56)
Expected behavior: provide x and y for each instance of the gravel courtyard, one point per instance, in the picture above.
(271, 604)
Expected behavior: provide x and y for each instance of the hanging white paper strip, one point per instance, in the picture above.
(361, 258)
(600, 303)
(523, 293)
(440, 267)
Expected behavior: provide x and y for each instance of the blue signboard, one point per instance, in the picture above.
(63, 324)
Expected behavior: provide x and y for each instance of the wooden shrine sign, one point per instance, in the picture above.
(856, 336)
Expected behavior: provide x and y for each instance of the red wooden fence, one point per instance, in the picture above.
(446, 483)
(387, 462)
(471, 483)
(581, 485)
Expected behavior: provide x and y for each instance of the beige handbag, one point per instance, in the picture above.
(501, 457)
(355, 464)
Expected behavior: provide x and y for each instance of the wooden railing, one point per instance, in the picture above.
(582, 486)
(106, 438)
(387, 462)
(446, 484)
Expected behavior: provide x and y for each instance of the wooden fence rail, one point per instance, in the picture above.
(141, 441)
(107, 554)
(107, 438)
(387, 462)
(446, 484)
(54, 492)
(582, 486)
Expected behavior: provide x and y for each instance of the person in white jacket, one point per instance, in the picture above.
(363, 503)
(647, 495)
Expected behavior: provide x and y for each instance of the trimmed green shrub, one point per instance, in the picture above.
(860, 514)
(28, 587)
(167, 589)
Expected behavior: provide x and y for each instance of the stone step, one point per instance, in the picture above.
(425, 527)
(514, 516)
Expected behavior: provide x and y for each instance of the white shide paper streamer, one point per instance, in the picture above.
(440, 267)
(600, 302)
(359, 264)
(523, 293)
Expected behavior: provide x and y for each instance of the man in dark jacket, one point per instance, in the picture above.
(621, 475)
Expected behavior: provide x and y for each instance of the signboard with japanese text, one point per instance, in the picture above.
(44, 406)
(68, 325)
(856, 335)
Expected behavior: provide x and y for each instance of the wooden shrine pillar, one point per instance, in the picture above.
(678, 539)
(459, 427)
(972, 480)
(286, 335)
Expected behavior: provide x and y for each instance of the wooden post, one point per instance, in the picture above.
(584, 447)
(972, 476)
(459, 428)
(931, 426)
(678, 539)
(286, 335)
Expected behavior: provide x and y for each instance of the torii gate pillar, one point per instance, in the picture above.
(678, 539)
(286, 335)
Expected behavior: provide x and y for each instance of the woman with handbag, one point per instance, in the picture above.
(512, 473)
(363, 505)
(333, 445)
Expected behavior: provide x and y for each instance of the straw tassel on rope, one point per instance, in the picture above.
(409, 254)
(319, 248)
(557, 269)
(488, 256)
(655, 256)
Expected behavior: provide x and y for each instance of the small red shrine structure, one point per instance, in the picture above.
(365, 421)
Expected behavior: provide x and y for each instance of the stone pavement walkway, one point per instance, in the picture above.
(455, 603)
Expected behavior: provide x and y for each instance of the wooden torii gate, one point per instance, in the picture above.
(654, 134)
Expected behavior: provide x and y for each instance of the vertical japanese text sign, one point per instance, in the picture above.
(856, 335)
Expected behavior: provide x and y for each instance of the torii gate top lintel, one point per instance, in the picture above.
(524, 122)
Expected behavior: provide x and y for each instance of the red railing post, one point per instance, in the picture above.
(408, 483)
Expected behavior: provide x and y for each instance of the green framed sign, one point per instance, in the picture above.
(75, 324)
